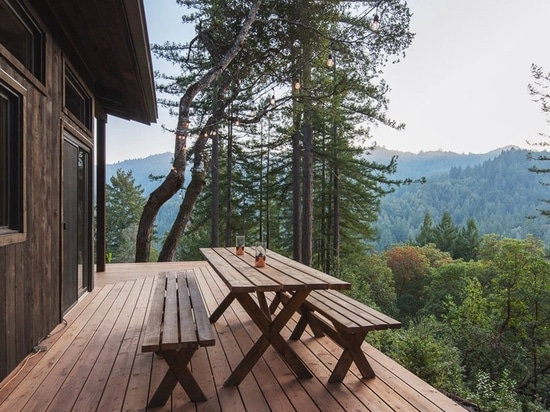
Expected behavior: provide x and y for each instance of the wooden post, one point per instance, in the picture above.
(101, 197)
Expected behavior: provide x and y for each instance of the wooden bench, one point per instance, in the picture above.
(176, 326)
(344, 320)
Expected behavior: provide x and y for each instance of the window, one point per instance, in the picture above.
(77, 101)
(22, 37)
(11, 161)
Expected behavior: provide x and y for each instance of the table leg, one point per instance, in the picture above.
(222, 307)
(270, 335)
(263, 303)
(275, 302)
(177, 372)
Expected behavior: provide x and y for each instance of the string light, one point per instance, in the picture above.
(272, 101)
(375, 23)
(330, 60)
(297, 84)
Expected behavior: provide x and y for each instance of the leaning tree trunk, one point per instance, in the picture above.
(198, 176)
(180, 223)
(174, 181)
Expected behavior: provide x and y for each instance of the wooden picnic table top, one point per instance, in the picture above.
(280, 273)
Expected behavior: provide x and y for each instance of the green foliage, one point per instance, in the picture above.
(372, 281)
(124, 204)
(499, 395)
(446, 285)
(424, 349)
(500, 194)
(460, 243)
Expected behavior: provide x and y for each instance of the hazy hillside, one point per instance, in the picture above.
(499, 193)
(495, 188)
(415, 165)
(156, 165)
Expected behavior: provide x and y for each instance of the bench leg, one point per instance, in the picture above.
(351, 344)
(177, 372)
(222, 307)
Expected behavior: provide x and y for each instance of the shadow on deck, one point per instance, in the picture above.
(95, 363)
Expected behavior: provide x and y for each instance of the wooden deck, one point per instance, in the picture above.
(95, 363)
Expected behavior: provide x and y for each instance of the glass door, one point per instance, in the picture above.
(77, 222)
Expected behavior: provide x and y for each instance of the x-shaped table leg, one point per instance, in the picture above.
(177, 372)
(270, 336)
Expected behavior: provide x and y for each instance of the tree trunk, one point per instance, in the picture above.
(307, 220)
(186, 208)
(215, 233)
(296, 195)
(174, 180)
(336, 215)
(228, 209)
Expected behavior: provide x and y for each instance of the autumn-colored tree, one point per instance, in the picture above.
(409, 267)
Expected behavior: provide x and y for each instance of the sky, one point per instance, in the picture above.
(461, 87)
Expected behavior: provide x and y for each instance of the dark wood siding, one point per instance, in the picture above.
(30, 271)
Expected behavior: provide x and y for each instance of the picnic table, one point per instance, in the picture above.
(280, 274)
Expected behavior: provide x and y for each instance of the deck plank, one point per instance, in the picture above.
(97, 379)
(96, 363)
(83, 356)
(43, 374)
(117, 384)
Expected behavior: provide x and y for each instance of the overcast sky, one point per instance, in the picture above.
(461, 87)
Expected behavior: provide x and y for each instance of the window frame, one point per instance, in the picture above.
(84, 115)
(35, 63)
(16, 231)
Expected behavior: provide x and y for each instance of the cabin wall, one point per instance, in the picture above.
(30, 270)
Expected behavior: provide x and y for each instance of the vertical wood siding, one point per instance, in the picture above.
(30, 271)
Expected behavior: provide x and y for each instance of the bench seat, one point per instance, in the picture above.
(177, 325)
(346, 321)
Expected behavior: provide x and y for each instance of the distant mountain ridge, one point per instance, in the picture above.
(156, 165)
(500, 194)
(495, 188)
(424, 164)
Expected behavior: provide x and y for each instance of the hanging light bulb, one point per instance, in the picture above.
(297, 84)
(272, 101)
(330, 61)
(237, 122)
(375, 23)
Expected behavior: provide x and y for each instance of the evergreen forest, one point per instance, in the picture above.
(496, 189)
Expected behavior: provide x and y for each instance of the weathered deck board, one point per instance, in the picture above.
(95, 362)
